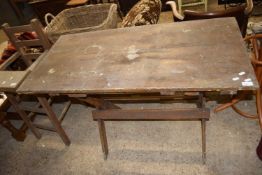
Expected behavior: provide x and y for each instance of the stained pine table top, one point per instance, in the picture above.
(10, 80)
(203, 55)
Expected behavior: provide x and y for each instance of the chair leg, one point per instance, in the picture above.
(203, 129)
(54, 120)
(206, 2)
(23, 115)
(179, 6)
(102, 133)
(259, 107)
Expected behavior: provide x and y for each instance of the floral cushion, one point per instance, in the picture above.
(143, 13)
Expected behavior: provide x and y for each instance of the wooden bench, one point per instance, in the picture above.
(198, 114)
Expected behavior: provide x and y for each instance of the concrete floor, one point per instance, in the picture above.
(139, 148)
(136, 148)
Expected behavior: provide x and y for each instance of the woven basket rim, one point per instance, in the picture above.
(49, 30)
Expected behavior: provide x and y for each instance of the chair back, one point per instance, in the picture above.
(143, 13)
(237, 12)
(241, 13)
(256, 59)
(41, 39)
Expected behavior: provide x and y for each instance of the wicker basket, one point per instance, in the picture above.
(82, 19)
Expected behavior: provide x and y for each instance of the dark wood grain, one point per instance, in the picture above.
(152, 114)
(190, 56)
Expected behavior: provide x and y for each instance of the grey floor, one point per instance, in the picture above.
(148, 148)
(139, 148)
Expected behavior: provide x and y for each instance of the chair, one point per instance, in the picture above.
(143, 13)
(256, 61)
(23, 45)
(241, 13)
(16, 77)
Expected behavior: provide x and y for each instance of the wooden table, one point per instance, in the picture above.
(156, 60)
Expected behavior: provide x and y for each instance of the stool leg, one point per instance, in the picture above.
(203, 129)
(102, 133)
(52, 117)
(23, 115)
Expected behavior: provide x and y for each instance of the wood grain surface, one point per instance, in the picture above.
(204, 55)
(10, 80)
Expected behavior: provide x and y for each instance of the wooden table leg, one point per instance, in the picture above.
(19, 135)
(201, 104)
(203, 129)
(102, 133)
(54, 120)
(101, 104)
(23, 115)
(201, 100)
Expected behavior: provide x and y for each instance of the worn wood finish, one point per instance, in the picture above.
(203, 134)
(99, 103)
(10, 80)
(20, 45)
(199, 114)
(32, 115)
(156, 58)
(17, 134)
(13, 101)
(9, 61)
(103, 139)
(32, 109)
(54, 120)
(187, 59)
(256, 61)
(151, 114)
(64, 111)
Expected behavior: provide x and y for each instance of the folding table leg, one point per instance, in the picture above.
(201, 104)
(201, 100)
(102, 132)
(54, 120)
(19, 135)
(23, 115)
(203, 128)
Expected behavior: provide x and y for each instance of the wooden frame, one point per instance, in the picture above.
(31, 60)
(256, 61)
(201, 114)
(20, 45)
(183, 63)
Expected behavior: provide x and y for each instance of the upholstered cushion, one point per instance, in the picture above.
(143, 13)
